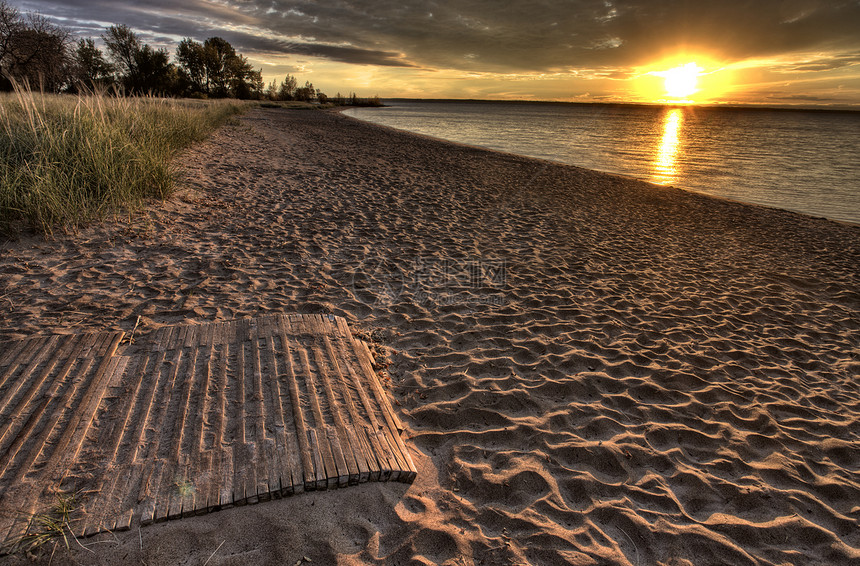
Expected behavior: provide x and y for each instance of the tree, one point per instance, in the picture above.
(141, 68)
(33, 50)
(214, 69)
(287, 90)
(153, 71)
(122, 46)
(217, 55)
(91, 70)
(244, 81)
(305, 93)
(192, 67)
(272, 90)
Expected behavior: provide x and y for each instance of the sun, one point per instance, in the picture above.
(681, 81)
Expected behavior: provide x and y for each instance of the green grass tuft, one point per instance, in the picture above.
(68, 160)
(53, 526)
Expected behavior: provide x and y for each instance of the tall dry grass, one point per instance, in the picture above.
(66, 160)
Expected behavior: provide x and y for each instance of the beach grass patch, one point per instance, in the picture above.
(68, 160)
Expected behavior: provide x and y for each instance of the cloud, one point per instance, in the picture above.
(340, 53)
(825, 63)
(797, 97)
(488, 35)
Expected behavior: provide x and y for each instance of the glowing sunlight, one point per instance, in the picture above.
(665, 168)
(674, 81)
(682, 81)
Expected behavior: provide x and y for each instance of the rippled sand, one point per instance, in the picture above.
(592, 369)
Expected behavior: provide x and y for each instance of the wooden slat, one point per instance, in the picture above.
(43, 482)
(198, 465)
(111, 438)
(112, 503)
(348, 473)
(10, 351)
(302, 433)
(242, 474)
(394, 426)
(325, 468)
(290, 452)
(350, 419)
(383, 458)
(22, 417)
(141, 455)
(197, 418)
(214, 497)
(178, 456)
(280, 473)
(44, 350)
(264, 473)
(155, 504)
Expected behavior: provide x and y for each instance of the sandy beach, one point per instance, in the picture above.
(591, 369)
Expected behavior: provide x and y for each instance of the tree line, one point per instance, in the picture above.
(44, 55)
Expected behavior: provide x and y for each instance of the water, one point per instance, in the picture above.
(804, 161)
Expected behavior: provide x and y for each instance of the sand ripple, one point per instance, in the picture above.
(592, 369)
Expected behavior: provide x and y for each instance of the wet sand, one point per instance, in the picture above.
(591, 369)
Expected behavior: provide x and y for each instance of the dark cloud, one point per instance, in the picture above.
(800, 97)
(491, 35)
(827, 63)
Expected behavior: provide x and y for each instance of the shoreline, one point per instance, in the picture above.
(670, 104)
(610, 174)
(589, 367)
(702, 189)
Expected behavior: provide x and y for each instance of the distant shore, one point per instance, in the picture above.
(734, 106)
(590, 368)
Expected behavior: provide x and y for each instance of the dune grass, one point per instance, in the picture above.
(68, 160)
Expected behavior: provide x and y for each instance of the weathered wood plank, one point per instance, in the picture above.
(10, 351)
(263, 459)
(198, 467)
(110, 502)
(245, 482)
(289, 452)
(382, 457)
(140, 452)
(157, 485)
(45, 350)
(225, 498)
(278, 468)
(219, 424)
(302, 432)
(196, 418)
(107, 452)
(347, 413)
(326, 474)
(345, 459)
(179, 455)
(15, 424)
(394, 426)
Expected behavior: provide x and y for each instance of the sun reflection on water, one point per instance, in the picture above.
(665, 168)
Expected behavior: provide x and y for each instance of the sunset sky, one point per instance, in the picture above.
(764, 51)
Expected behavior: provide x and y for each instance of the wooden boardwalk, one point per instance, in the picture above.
(193, 419)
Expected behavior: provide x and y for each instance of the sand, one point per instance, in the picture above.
(591, 369)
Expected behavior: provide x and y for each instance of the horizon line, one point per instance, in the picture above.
(824, 107)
